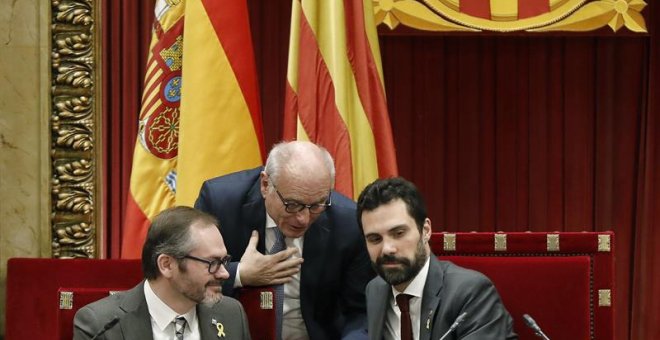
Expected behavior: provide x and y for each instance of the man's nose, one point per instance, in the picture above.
(303, 217)
(222, 273)
(389, 247)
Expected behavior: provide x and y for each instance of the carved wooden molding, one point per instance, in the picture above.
(75, 122)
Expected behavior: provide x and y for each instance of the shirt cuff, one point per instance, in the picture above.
(237, 279)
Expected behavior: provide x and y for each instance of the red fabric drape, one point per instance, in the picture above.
(126, 31)
(518, 134)
(501, 132)
(645, 290)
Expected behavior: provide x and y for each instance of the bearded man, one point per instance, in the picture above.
(417, 296)
(184, 260)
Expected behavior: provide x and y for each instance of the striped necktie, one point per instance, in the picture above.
(179, 327)
(278, 246)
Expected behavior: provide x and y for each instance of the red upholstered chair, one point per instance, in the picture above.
(43, 296)
(72, 299)
(33, 285)
(259, 305)
(563, 280)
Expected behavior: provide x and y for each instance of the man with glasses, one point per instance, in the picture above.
(184, 263)
(290, 202)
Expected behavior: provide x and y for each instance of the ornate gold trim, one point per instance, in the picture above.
(266, 300)
(500, 242)
(564, 15)
(552, 242)
(449, 242)
(66, 300)
(75, 128)
(604, 243)
(604, 298)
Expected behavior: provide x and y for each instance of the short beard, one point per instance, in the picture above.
(211, 298)
(395, 276)
(200, 295)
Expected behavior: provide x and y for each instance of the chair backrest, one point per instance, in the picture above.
(43, 296)
(34, 285)
(71, 300)
(259, 304)
(563, 280)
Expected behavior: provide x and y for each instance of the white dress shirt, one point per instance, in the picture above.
(293, 325)
(393, 318)
(162, 316)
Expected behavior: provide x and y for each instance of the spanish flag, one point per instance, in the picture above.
(335, 95)
(200, 114)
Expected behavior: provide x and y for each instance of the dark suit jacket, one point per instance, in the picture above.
(135, 321)
(450, 290)
(336, 268)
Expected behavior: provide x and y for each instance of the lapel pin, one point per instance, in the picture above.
(219, 327)
(428, 321)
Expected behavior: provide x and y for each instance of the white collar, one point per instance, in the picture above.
(161, 313)
(270, 223)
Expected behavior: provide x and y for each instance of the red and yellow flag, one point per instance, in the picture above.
(335, 94)
(200, 115)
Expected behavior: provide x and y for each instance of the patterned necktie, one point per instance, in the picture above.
(179, 327)
(403, 301)
(278, 246)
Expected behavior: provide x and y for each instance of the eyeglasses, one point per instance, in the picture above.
(293, 207)
(213, 265)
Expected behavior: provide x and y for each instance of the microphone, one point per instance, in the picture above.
(532, 324)
(453, 326)
(107, 326)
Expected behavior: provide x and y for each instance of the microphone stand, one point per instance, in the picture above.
(535, 327)
(453, 326)
(107, 326)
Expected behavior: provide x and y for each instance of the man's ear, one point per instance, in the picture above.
(166, 265)
(427, 230)
(263, 183)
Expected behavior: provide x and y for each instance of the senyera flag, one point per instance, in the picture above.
(200, 115)
(335, 95)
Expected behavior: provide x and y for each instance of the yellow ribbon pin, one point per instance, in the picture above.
(221, 330)
(220, 327)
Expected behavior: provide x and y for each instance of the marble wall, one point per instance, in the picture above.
(24, 113)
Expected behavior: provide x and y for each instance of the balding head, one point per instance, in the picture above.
(300, 159)
(299, 173)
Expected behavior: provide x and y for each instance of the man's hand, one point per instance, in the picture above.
(263, 270)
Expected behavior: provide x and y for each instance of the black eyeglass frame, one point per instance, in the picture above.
(293, 207)
(217, 262)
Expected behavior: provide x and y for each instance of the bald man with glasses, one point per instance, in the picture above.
(289, 204)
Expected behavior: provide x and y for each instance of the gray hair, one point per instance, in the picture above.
(283, 153)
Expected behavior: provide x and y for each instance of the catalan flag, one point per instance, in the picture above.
(335, 95)
(200, 114)
(507, 10)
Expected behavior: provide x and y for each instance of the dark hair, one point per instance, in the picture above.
(383, 191)
(169, 234)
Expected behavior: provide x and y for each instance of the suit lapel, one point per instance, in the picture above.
(254, 214)
(207, 329)
(314, 249)
(431, 298)
(377, 307)
(136, 323)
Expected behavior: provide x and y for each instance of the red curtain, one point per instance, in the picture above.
(501, 132)
(522, 133)
(126, 31)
